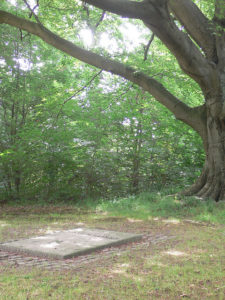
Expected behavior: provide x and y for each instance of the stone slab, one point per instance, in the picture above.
(70, 243)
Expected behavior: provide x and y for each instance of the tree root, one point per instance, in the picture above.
(208, 186)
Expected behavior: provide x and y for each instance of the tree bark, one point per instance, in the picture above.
(211, 183)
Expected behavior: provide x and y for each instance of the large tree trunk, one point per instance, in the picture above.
(211, 183)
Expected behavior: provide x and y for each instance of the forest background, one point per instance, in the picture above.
(70, 132)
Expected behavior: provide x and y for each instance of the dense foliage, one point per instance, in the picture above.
(71, 132)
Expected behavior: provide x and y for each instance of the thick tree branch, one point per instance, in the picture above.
(149, 84)
(155, 15)
(219, 20)
(196, 24)
(125, 8)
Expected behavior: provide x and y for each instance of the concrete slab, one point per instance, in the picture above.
(70, 243)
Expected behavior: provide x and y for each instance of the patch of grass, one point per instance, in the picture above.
(164, 203)
(36, 284)
(159, 204)
(190, 265)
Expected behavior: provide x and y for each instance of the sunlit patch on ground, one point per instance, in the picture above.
(134, 220)
(4, 224)
(49, 231)
(172, 221)
(124, 270)
(175, 253)
(121, 269)
(152, 262)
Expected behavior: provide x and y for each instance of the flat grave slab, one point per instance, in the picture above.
(70, 243)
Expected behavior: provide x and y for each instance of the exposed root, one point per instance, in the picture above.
(198, 185)
(208, 186)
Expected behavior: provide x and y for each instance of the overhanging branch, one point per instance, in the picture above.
(149, 84)
(125, 8)
(196, 24)
(155, 15)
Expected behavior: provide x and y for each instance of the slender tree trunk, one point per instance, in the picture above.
(135, 174)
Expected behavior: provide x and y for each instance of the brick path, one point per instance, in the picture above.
(16, 260)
